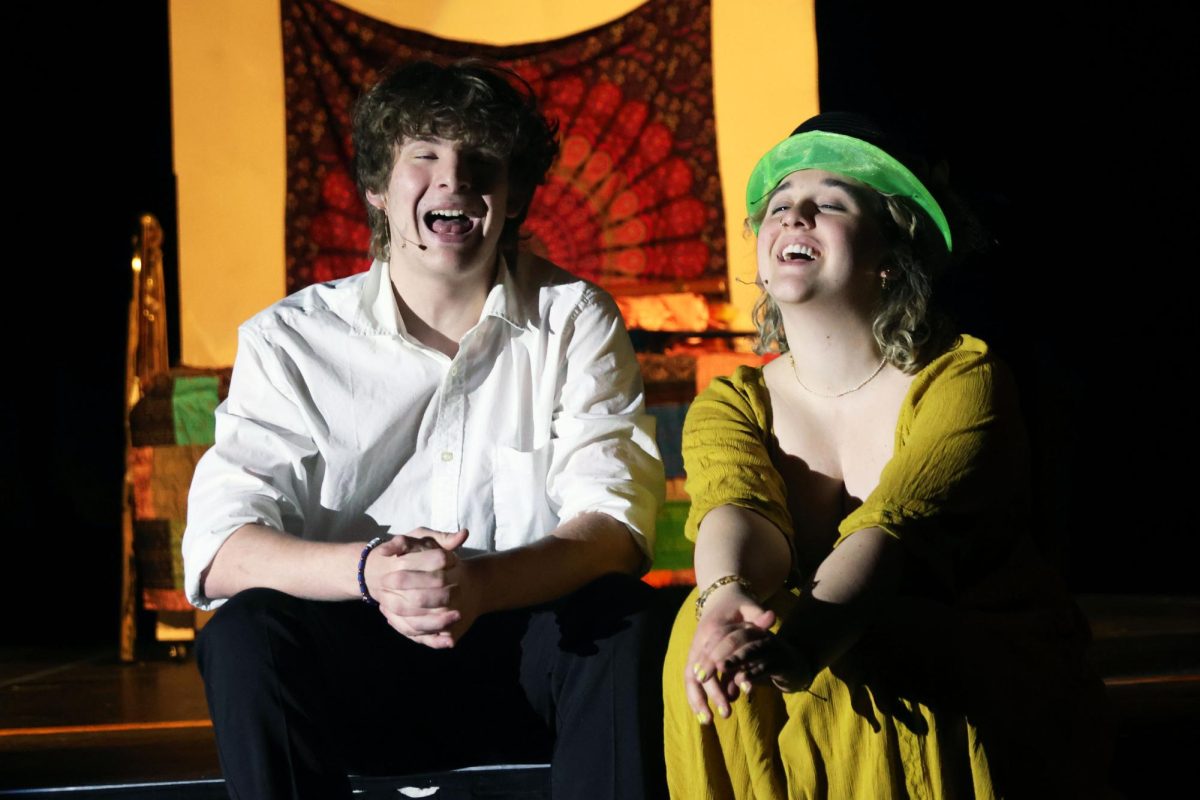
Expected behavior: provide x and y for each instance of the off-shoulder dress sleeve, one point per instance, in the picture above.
(957, 481)
(726, 452)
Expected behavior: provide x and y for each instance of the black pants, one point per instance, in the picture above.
(301, 692)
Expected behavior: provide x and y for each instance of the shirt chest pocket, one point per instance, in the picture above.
(519, 496)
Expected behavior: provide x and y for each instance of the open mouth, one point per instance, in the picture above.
(449, 221)
(797, 252)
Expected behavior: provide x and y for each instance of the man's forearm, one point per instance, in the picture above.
(258, 556)
(577, 552)
(574, 554)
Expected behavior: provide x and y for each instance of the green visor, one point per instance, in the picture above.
(843, 155)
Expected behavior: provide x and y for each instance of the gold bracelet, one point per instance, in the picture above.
(717, 584)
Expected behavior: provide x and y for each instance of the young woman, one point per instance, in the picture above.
(871, 618)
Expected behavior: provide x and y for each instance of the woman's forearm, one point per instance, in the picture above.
(833, 609)
(846, 592)
(737, 541)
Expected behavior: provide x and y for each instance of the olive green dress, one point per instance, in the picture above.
(972, 681)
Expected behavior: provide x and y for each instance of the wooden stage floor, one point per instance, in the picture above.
(72, 719)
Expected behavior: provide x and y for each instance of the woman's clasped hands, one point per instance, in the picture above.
(733, 648)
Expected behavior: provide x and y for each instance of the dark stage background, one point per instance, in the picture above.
(1063, 130)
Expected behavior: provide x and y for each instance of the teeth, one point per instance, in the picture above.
(448, 212)
(798, 249)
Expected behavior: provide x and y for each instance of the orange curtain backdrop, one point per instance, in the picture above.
(634, 202)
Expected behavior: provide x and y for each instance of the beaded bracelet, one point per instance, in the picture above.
(717, 584)
(362, 566)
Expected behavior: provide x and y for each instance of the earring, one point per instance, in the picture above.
(883, 279)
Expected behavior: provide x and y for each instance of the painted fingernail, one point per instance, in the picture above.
(723, 711)
(704, 718)
(701, 674)
(696, 669)
(745, 687)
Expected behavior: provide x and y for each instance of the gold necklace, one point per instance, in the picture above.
(851, 390)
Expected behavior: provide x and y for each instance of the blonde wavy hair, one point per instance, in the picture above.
(908, 330)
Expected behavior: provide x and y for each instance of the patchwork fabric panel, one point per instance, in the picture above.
(668, 433)
(171, 428)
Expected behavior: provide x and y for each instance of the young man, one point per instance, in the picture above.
(456, 437)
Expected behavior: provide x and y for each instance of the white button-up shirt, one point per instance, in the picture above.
(339, 426)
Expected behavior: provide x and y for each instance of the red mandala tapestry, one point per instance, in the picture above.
(634, 201)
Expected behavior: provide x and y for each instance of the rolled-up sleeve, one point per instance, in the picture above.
(257, 471)
(604, 457)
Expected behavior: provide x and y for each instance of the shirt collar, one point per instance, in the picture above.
(506, 301)
(378, 314)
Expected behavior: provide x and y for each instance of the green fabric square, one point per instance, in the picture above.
(193, 404)
(672, 550)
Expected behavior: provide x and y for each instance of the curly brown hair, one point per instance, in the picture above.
(477, 104)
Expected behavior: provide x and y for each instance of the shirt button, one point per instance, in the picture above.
(447, 456)
(454, 370)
